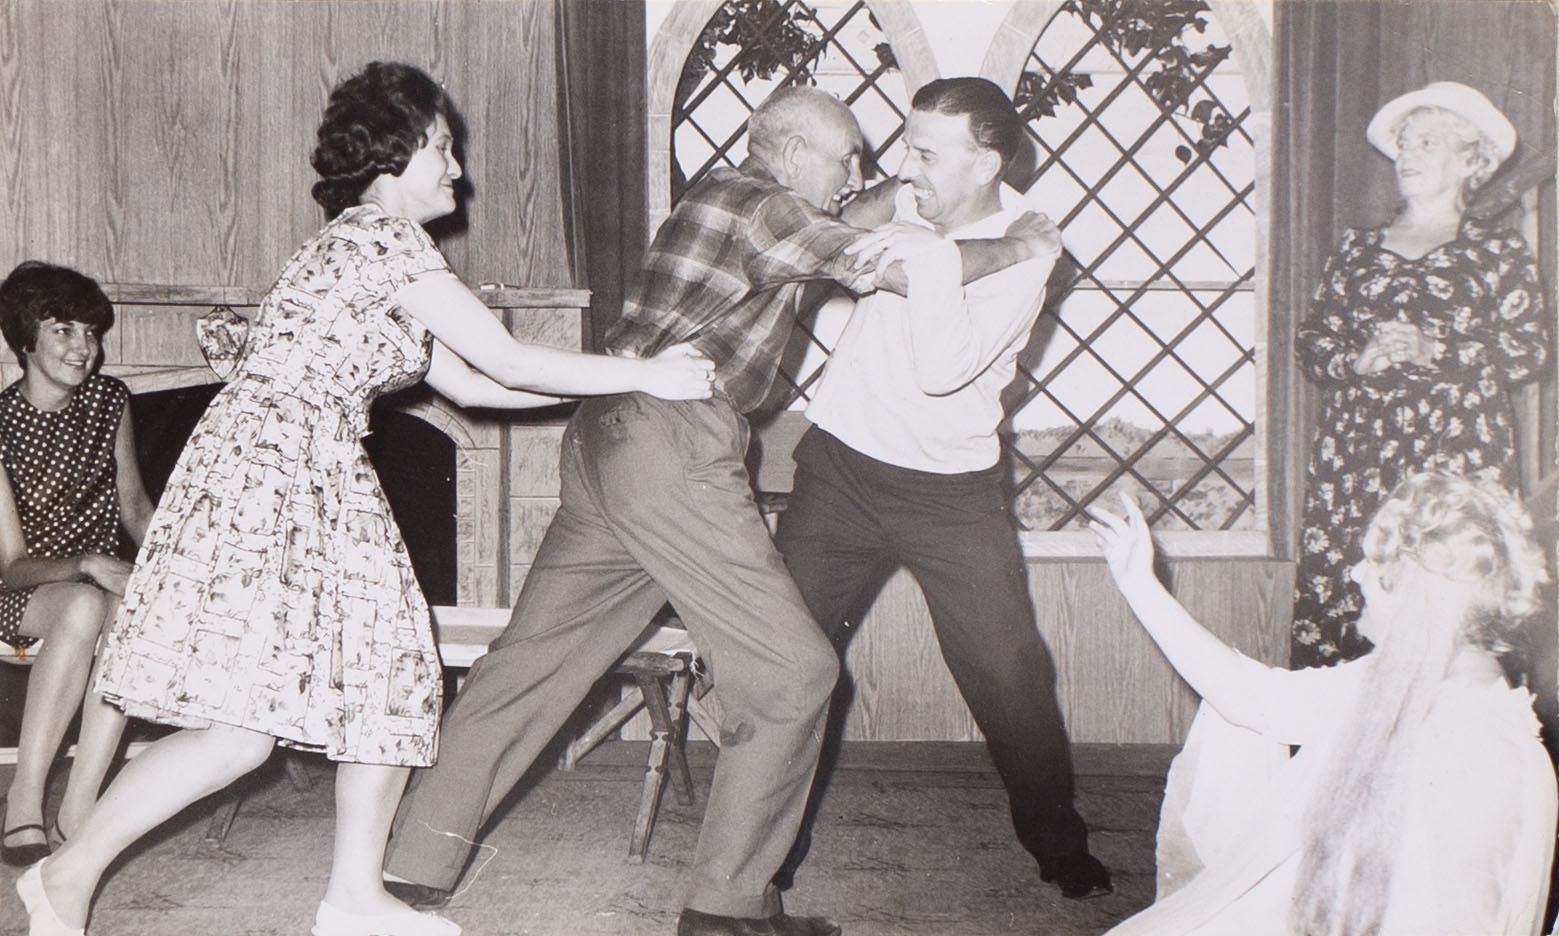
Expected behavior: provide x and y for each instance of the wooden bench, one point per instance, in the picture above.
(661, 667)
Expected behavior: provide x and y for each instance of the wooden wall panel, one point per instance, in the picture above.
(167, 141)
(1114, 685)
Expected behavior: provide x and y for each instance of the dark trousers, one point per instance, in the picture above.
(656, 505)
(852, 520)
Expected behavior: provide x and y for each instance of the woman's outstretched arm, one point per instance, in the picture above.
(468, 330)
(1228, 680)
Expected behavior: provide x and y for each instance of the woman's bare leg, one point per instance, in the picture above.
(170, 774)
(69, 616)
(366, 798)
(102, 725)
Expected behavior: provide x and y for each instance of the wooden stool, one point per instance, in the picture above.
(664, 681)
(662, 670)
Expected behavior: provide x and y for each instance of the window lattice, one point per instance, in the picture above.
(1146, 384)
(837, 46)
(1141, 377)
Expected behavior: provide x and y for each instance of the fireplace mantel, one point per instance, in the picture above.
(506, 464)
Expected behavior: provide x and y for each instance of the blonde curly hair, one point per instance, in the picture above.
(1469, 531)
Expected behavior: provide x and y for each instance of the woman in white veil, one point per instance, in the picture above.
(1421, 799)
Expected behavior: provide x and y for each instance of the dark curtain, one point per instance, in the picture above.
(1337, 62)
(601, 81)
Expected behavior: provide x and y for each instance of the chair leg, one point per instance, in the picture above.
(301, 781)
(676, 705)
(661, 738)
(222, 822)
(706, 721)
(601, 729)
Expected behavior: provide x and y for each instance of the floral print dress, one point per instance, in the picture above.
(273, 591)
(1480, 298)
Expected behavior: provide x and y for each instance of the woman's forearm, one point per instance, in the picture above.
(28, 571)
(1201, 658)
(540, 369)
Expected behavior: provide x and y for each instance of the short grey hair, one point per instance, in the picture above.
(791, 111)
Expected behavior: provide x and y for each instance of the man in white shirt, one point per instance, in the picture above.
(902, 465)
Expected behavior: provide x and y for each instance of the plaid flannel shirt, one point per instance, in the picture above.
(723, 274)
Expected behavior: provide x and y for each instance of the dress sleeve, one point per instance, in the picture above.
(791, 241)
(1508, 329)
(398, 252)
(1323, 343)
(1289, 706)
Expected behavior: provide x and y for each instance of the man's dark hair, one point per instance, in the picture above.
(36, 291)
(374, 123)
(993, 121)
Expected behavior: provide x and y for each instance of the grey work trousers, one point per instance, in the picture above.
(656, 504)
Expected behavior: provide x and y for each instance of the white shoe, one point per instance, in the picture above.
(332, 921)
(41, 918)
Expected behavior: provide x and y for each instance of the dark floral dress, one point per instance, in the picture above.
(1480, 298)
(64, 479)
(274, 591)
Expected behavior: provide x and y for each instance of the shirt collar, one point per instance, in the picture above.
(756, 168)
(991, 226)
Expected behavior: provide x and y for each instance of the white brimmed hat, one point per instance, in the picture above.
(1453, 96)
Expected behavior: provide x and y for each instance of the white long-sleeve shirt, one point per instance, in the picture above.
(916, 382)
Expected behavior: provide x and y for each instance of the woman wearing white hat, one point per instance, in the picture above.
(1416, 334)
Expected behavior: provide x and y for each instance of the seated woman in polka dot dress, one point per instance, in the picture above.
(68, 481)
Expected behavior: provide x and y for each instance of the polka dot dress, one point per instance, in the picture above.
(63, 478)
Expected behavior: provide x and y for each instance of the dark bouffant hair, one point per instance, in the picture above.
(36, 291)
(374, 123)
(993, 121)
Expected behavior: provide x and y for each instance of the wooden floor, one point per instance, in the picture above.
(914, 841)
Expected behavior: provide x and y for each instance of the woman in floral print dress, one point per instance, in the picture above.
(273, 600)
(1418, 333)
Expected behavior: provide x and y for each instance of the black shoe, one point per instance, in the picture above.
(697, 923)
(785, 878)
(1079, 878)
(21, 856)
(418, 896)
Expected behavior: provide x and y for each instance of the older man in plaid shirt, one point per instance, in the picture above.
(657, 505)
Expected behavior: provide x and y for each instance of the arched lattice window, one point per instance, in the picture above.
(1148, 382)
(1144, 373)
